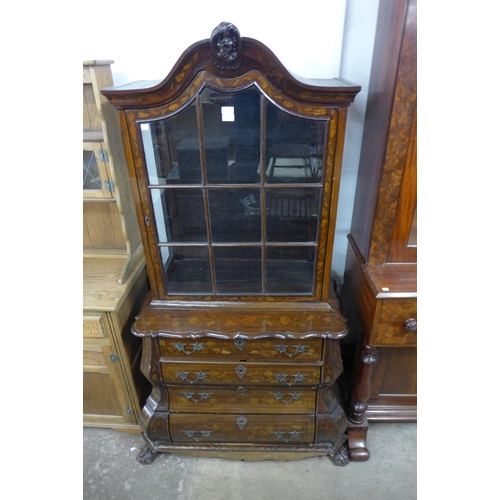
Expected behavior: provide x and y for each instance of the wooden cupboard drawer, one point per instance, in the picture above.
(394, 327)
(242, 399)
(93, 326)
(192, 428)
(239, 349)
(241, 374)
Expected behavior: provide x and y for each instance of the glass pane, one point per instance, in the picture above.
(172, 149)
(238, 270)
(91, 177)
(290, 270)
(292, 214)
(216, 160)
(295, 147)
(231, 131)
(179, 215)
(186, 270)
(235, 215)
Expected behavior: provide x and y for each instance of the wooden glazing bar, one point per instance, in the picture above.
(263, 167)
(199, 120)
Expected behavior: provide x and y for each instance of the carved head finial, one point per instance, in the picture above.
(226, 46)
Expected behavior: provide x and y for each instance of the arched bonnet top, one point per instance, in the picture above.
(227, 55)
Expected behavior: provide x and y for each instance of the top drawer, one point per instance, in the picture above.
(397, 323)
(241, 350)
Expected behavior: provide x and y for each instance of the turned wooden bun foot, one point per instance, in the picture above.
(359, 455)
(358, 452)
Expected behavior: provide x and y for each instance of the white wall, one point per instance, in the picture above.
(356, 61)
(146, 40)
(323, 39)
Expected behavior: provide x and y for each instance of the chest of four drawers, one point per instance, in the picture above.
(243, 390)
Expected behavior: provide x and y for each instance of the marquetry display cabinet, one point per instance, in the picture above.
(114, 275)
(235, 167)
(379, 295)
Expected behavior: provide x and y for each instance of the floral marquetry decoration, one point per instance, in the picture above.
(235, 166)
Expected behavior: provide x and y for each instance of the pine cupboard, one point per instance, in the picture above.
(114, 275)
(113, 387)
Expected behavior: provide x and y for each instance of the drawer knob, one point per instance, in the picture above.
(197, 397)
(194, 434)
(411, 325)
(289, 397)
(184, 376)
(291, 435)
(282, 348)
(283, 378)
(196, 346)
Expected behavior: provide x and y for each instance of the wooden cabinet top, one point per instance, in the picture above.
(101, 290)
(393, 280)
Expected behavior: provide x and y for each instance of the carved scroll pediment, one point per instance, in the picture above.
(225, 42)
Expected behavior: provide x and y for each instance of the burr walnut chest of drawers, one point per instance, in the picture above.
(235, 167)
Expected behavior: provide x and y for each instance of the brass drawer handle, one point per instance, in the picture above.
(184, 376)
(282, 377)
(291, 397)
(411, 325)
(282, 349)
(201, 396)
(292, 435)
(192, 434)
(196, 346)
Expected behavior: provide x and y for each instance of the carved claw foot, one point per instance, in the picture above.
(146, 456)
(341, 457)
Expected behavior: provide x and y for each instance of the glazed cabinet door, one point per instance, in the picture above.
(236, 195)
(96, 178)
(104, 400)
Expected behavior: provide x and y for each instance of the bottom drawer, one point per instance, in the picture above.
(191, 428)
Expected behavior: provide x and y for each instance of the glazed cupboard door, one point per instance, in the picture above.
(236, 193)
(96, 179)
(96, 174)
